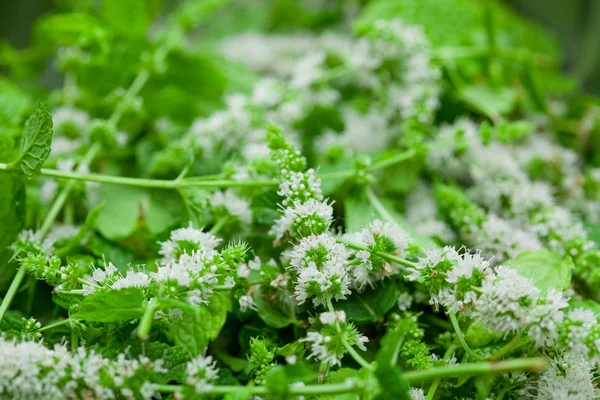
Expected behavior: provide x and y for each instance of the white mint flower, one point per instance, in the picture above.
(416, 394)
(545, 318)
(193, 273)
(188, 240)
(574, 331)
(320, 283)
(469, 271)
(66, 117)
(506, 302)
(318, 249)
(404, 301)
(233, 204)
(29, 370)
(565, 379)
(300, 186)
(31, 241)
(378, 229)
(132, 279)
(62, 232)
(378, 237)
(327, 346)
(503, 239)
(330, 318)
(304, 219)
(247, 303)
(202, 372)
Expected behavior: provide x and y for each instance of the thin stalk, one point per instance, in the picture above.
(378, 205)
(64, 194)
(461, 338)
(437, 382)
(146, 322)
(142, 182)
(357, 357)
(392, 160)
(510, 346)
(86, 283)
(12, 290)
(74, 292)
(412, 377)
(386, 256)
(69, 213)
(54, 325)
(216, 228)
(332, 388)
(477, 369)
(353, 353)
(135, 87)
(199, 181)
(74, 341)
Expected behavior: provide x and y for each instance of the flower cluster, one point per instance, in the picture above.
(328, 345)
(30, 370)
(398, 232)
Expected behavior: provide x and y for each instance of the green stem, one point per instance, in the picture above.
(141, 182)
(477, 369)
(74, 341)
(461, 338)
(69, 213)
(54, 325)
(211, 181)
(434, 386)
(378, 205)
(395, 159)
(146, 322)
(74, 292)
(510, 346)
(357, 357)
(308, 390)
(507, 54)
(385, 256)
(353, 353)
(86, 283)
(12, 290)
(216, 228)
(64, 193)
(412, 377)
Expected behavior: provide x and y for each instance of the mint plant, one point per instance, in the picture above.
(276, 200)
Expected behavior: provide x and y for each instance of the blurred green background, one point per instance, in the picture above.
(574, 23)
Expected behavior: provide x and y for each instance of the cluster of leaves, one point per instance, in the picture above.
(95, 260)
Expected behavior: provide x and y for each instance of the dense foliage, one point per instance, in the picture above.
(386, 199)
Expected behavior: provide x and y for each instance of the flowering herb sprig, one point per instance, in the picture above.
(285, 216)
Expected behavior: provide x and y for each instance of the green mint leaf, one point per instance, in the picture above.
(358, 212)
(297, 348)
(370, 305)
(127, 208)
(194, 331)
(12, 215)
(127, 17)
(196, 205)
(112, 306)
(279, 379)
(269, 312)
(392, 383)
(545, 268)
(35, 142)
(488, 102)
(478, 335)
